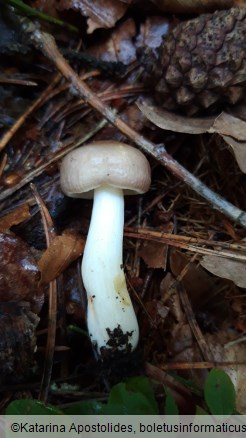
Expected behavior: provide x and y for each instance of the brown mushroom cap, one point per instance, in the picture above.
(104, 163)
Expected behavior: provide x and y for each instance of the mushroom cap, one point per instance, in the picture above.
(104, 163)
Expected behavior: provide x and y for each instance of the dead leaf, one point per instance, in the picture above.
(192, 6)
(174, 122)
(100, 13)
(16, 217)
(18, 341)
(240, 3)
(170, 296)
(226, 124)
(232, 129)
(154, 254)
(152, 32)
(239, 149)
(157, 311)
(119, 46)
(19, 274)
(225, 268)
(196, 280)
(62, 251)
(181, 342)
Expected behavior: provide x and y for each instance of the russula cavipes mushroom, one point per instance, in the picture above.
(106, 170)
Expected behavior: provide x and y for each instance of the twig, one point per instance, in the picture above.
(198, 365)
(234, 251)
(3, 163)
(36, 172)
(204, 348)
(9, 134)
(46, 43)
(16, 81)
(178, 390)
(51, 337)
(149, 207)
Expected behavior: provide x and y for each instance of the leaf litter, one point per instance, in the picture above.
(232, 129)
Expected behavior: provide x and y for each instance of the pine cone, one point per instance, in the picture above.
(202, 62)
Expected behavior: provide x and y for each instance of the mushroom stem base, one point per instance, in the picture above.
(111, 319)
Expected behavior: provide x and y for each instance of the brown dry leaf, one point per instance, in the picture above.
(224, 124)
(20, 214)
(46, 6)
(62, 251)
(18, 341)
(196, 280)
(174, 122)
(232, 129)
(157, 311)
(133, 117)
(239, 149)
(155, 253)
(192, 6)
(100, 13)
(225, 268)
(119, 46)
(240, 3)
(19, 274)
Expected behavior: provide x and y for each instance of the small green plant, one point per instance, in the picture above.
(136, 396)
(219, 393)
(133, 397)
(28, 11)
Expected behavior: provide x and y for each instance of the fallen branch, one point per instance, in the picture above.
(46, 43)
(194, 245)
(52, 318)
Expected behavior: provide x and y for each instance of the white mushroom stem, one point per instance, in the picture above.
(111, 319)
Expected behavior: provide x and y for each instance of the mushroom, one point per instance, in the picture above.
(106, 170)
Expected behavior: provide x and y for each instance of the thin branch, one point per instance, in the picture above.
(46, 43)
(40, 169)
(51, 337)
(19, 122)
(197, 333)
(199, 365)
(233, 251)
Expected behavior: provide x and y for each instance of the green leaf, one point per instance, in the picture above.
(123, 402)
(171, 407)
(219, 393)
(189, 384)
(201, 411)
(143, 385)
(134, 397)
(85, 407)
(31, 407)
